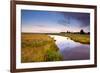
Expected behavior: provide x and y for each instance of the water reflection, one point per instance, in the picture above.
(70, 49)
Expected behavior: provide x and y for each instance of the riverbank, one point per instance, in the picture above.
(71, 50)
(82, 38)
(38, 48)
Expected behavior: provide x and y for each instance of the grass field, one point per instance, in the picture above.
(41, 47)
(38, 48)
(82, 38)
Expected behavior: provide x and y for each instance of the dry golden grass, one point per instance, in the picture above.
(38, 48)
(30, 36)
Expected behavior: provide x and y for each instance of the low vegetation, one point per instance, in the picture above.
(38, 48)
(82, 38)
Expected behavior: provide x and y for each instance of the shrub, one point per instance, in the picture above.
(53, 55)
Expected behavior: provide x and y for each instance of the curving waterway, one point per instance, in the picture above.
(71, 50)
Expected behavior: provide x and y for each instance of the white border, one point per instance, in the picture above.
(20, 65)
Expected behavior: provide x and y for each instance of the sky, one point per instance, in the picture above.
(35, 21)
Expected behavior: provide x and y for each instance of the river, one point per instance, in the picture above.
(71, 50)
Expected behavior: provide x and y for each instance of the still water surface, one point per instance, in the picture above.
(71, 50)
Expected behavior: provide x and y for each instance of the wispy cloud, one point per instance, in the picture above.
(54, 22)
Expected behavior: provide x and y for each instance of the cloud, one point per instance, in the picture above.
(43, 29)
(71, 17)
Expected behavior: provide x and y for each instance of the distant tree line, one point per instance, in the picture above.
(81, 32)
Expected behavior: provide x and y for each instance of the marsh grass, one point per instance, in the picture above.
(82, 38)
(38, 48)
